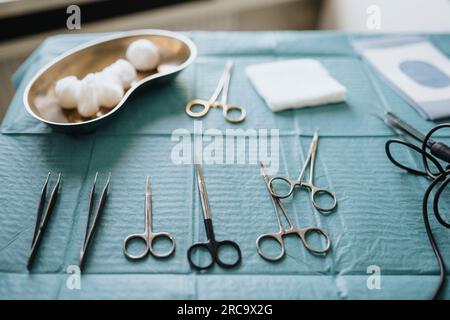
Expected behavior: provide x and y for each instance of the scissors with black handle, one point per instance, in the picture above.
(148, 236)
(212, 247)
(282, 183)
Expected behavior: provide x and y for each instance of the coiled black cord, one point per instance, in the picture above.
(441, 179)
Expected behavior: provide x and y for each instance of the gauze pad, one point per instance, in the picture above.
(295, 84)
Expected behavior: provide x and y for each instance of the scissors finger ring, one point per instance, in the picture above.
(270, 237)
(220, 247)
(304, 234)
(227, 109)
(201, 247)
(134, 237)
(287, 186)
(161, 235)
(203, 104)
(316, 193)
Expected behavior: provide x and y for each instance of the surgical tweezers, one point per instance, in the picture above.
(90, 226)
(42, 217)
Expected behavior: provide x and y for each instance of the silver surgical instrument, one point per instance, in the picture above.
(206, 105)
(92, 219)
(42, 217)
(211, 246)
(292, 229)
(148, 236)
(277, 183)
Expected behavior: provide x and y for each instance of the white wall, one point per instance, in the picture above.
(395, 15)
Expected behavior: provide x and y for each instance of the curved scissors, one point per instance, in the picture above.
(291, 184)
(148, 236)
(206, 105)
(292, 229)
(211, 246)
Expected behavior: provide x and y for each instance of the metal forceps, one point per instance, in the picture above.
(277, 183)
(206, 105)
(292, 229)
(148, 236)
(90, 225)
(211, 246)
(42, 217)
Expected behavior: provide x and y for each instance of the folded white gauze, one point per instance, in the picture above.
(295, 84)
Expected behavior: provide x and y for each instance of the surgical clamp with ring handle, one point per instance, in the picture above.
(276, 182)
(206, 105)
(292, 229)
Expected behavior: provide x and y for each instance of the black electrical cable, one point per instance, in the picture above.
(441, 178)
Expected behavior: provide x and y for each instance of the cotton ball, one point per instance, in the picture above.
(123, 70)
(67, 91)
(109, 91)
(112, 74)
(143, 55)
(88, 104)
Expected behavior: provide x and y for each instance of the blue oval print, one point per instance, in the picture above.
(425, 74)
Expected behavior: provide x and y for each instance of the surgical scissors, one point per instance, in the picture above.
(211, 246)
(206, 105)
(277, 182)
(148, 236)
(282, 232)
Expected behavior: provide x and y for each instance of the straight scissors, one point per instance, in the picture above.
(277, 183)
(206, 105)
(211, 246)
(292, 229)
(148, 237)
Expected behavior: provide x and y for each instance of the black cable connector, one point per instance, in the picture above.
(440, 179)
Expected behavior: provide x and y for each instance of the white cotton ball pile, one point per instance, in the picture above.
(67, 91)
(143, 55)
(109, 90)
(123, 70)
(95, 90)
(106, 88)
(98, 90)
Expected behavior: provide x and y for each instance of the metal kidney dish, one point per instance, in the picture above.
(176, 53)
